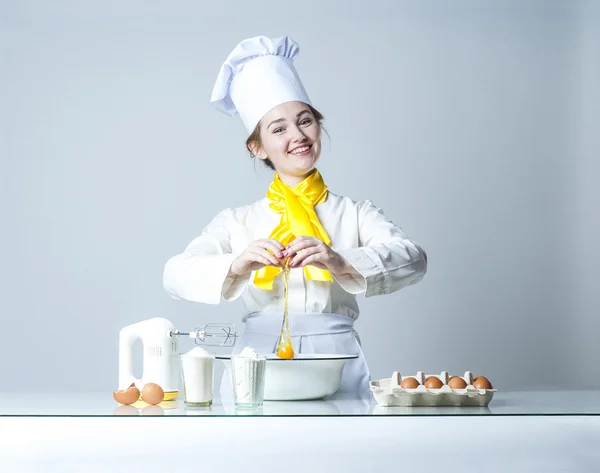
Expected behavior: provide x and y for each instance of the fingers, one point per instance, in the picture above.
(300, 257)
(276, 243)
(302, 251)
(261, 259)
(261, 255)
(314, 260)
(301, 243)
(271, 245)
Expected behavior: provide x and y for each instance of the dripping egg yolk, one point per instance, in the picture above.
(285, 351)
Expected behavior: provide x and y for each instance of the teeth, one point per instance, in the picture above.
(300, 150)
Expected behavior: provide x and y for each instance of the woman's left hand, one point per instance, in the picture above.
(311, 250)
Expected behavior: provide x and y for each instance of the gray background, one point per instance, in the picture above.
(473, 126)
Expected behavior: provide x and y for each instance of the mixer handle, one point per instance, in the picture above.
(127, 338)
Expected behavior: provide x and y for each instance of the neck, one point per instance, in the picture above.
(293, 181)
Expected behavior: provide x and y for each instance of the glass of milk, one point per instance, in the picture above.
(197, 368)
(248, 370)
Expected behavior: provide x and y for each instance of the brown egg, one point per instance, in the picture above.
(409, 383)
(152, 393)
(128, 396)
(456, 382)
(481, 382)
(433, 382)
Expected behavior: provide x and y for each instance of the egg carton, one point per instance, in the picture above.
(387, 392)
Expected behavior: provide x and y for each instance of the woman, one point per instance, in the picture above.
(337, 248)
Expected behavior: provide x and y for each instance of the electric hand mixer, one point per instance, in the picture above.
(161, 351)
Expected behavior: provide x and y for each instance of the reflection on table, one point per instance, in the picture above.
(102, 404)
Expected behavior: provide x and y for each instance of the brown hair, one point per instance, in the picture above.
(255, 135)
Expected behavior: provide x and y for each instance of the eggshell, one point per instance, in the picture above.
(456, 382)
(152, 393)
(409, 383)
(481, 382)
(433, 382)
(128, 396)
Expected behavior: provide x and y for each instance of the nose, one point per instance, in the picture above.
(298, 136)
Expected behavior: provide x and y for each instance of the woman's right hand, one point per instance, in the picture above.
(260, 253)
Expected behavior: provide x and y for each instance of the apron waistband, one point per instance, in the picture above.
(300, 324)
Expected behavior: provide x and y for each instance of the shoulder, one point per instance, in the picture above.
(360, 211)
(347, 203)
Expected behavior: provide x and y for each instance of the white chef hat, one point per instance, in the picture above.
(258, 75)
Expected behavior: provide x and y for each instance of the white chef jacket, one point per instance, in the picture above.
(386, 259)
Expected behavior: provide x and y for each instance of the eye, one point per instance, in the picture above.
(306, 121)
(278, 130)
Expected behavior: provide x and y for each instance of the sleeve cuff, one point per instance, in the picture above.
(372, 274)
(202, 279)
(234, 287)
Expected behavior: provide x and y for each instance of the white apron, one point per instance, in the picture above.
(331, 334)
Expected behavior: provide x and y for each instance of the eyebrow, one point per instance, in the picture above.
(283, 119)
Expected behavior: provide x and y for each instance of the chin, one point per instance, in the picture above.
(303, 171)
(306, 165)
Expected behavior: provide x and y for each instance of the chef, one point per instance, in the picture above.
(337, 248)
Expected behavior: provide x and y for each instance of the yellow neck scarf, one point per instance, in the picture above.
(298, 218)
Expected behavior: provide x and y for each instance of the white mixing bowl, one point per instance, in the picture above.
(304, 377)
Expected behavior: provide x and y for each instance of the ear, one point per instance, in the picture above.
(256, 150)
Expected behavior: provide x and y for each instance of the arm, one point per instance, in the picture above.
(386, 261)
(202, 273)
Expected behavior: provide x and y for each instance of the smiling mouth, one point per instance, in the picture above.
(302, 150)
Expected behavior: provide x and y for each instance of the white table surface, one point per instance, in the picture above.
(102, 404)
(80, 433)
